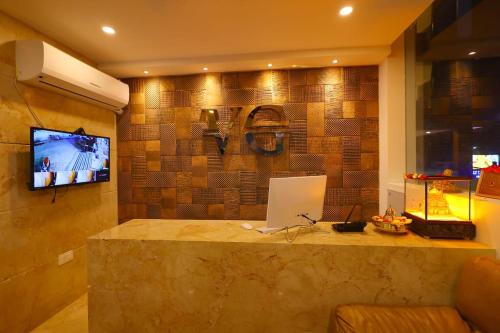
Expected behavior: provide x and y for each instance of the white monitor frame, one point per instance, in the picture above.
(292, 196)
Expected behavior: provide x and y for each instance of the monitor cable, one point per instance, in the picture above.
(55, 194)
(33, 114)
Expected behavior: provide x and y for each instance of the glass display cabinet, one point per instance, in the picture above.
(439, 206)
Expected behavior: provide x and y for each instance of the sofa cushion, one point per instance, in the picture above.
(478, 293)
(397, 319)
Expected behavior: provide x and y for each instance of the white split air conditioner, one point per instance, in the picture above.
(42, 65)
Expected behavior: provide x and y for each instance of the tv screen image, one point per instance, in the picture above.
(61, 158)
(482, 161)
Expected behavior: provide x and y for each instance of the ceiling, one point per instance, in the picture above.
(183, 36)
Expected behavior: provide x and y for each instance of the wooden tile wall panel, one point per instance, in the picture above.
(334, 96)
(139, 171)
(262, 178)
(360, 179)
(330, 75)
(152, 116)
(264, 96)
(248, 188)
(253, 212)
(339, 213)
(192, 211)
(197, 130)
(169, 163)
(315, 119)
(307, 162)
(183, 147)
(230, 81)
(295, 111)
(298, 77)
(226, 179)
(315, 93)
(167, 99)
(160, 179)
(208, 195)
(238, 97)
(297, 94)
(189, 82)
(152, 94)
(262, 195)
(298, 137)
(168, 144)
(280, 86)
(215, 163)
(216, 212)
(154, 211)
(342, 127)
(368, 91)
(197, 147)
(351, 151)
(354, 109)
(168, 169)
(152, 195)
(167, 115)
(231, 203)
(145, 132)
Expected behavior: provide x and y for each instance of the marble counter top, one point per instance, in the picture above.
(231, 231)
(214, 276)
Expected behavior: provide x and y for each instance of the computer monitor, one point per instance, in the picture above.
(290, 197)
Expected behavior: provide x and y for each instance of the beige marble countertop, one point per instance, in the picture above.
(230, 231)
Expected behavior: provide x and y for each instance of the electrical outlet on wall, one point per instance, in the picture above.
(65, 257)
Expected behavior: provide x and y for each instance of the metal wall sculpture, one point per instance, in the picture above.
(221, 135)
(267, 128)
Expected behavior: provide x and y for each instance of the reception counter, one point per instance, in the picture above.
(214, 276)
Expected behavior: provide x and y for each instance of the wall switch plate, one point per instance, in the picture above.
(65, 257)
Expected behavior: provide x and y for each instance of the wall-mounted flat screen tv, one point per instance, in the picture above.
(61, 158)
(483, 161)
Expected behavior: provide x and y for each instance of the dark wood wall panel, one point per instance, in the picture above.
(168, 169)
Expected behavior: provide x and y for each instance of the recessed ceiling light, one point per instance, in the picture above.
(146, 72)
(108, 30)
(269, 65)
(472, 52)
(344, 11)
(205, 68)
(334, 61)
(427, 132)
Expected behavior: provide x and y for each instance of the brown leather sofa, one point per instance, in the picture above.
(477, 308)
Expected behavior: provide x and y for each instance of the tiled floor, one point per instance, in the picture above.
(71, 319)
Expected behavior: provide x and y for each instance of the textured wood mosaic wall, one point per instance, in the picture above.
(168, 169)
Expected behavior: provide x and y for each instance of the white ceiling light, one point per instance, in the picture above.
(334, 61)
(472, 52)
(269, 65)
(205, 69)
(344, 11)
(146, 71)
(427, 132)
(108, 30)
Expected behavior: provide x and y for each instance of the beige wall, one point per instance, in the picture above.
(33, 232)
(392, 122)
